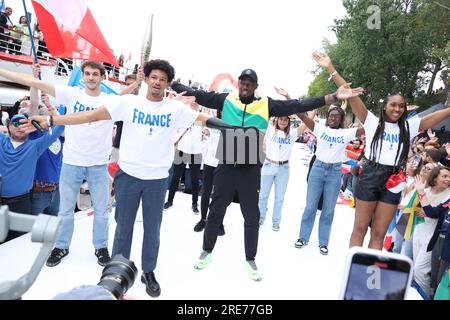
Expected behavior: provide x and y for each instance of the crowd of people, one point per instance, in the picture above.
(243, 143)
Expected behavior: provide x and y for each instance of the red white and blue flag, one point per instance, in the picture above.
(70, 31)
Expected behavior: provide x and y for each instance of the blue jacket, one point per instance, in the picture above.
(17, 166)
(439, 212)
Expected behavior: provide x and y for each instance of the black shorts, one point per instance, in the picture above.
(371, 184)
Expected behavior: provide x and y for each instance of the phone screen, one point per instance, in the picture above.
(376, 278)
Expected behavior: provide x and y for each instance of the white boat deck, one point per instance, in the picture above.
(288, 273)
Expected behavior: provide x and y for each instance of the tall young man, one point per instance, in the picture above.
(146, 154)
(85, 156)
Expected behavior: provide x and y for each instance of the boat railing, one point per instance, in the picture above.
(18, 47)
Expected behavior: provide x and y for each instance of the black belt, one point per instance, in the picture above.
(277, 162)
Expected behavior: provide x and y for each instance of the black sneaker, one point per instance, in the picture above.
(300, 243)
(221, 230)
(55, 256)
(195, 209)
(200, 226)
(151, 285)
(323, 250)
(167, 205)
(102, 255)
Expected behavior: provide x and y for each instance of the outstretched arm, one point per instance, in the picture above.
(309, 122)
(209, 100)
(302, 127)
(280, 108)
(98, 114)
(358, 107)
(34, 93)
(432, 119)
(140, 76)
(28, 80)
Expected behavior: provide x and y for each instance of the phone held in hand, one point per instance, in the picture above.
(376, 275)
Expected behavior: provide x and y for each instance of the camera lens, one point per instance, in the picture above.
(118, 276)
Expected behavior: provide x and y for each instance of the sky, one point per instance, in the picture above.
(202, 38)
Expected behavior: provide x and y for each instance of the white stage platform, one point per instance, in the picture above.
(288, 273)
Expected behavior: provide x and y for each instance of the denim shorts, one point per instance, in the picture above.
(371, 184)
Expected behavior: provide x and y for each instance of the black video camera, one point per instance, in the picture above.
(117, 277)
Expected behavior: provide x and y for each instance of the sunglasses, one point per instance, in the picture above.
(17, 123)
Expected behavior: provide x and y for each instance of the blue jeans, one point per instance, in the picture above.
(129, 193)
(324, 178)
(278, 174)
(46, 202)
(69, 187)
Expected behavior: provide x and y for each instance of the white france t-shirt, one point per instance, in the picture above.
(149, 128)
(331, 143)
(278, 146)
(86, 144)
(391, 138)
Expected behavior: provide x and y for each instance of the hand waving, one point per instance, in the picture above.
(322, 59)
(419, 183)
(282, 92)
(346, 92)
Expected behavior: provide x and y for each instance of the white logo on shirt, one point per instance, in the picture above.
(55, 147)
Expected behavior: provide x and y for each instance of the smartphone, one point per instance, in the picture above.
(376, 275)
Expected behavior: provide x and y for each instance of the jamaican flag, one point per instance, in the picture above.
(409, 219)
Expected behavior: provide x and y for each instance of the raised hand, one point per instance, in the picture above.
(346, 92)
(419, 183)
(322, 59)
(36, 70)
(431, 134)
(282, 92)
(181, 97)
(140, 76)
(447, 147)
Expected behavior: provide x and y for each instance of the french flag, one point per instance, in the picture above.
(70, 31)
(396, 182)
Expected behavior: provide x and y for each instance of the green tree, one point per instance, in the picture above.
(392, 47)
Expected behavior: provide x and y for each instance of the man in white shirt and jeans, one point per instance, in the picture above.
(146, 154)
(85, 156)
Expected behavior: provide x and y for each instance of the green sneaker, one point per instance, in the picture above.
(253, 270)
(203, 260)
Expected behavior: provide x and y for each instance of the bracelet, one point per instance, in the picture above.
(421, 195)
(332, 75)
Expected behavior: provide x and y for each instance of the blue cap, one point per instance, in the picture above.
(17, 117)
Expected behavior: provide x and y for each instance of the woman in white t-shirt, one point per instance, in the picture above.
(388, 143)
(278, 143)
(437, 193)
(326, 173)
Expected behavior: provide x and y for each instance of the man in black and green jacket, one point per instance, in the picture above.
(240, 154)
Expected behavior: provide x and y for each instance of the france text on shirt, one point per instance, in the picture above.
(281, 140)
(327, 138)
(159, 120)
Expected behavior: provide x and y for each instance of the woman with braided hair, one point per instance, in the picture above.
(388, 144)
